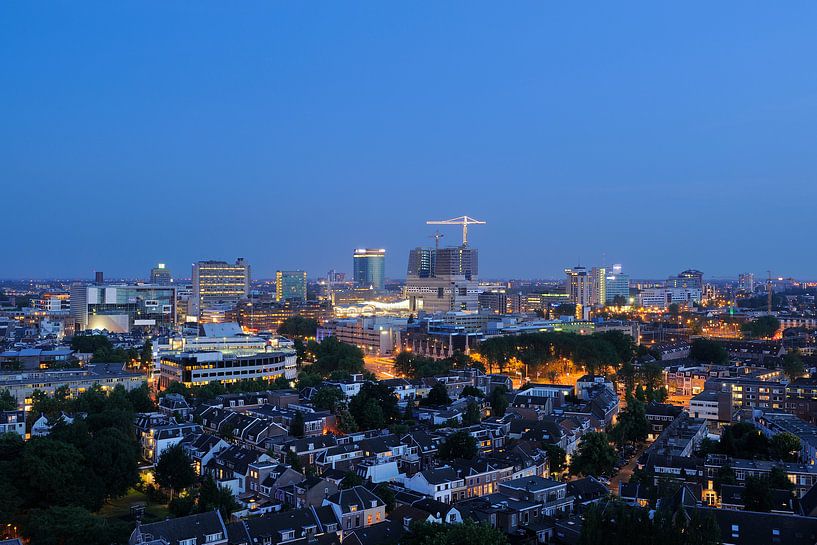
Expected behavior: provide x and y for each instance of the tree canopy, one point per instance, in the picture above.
(761, 328)
(708, 351)
(458, 445)
(298, 327)
(594, 456)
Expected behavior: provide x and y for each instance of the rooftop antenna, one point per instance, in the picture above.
(437, 236)
(769, 292)
(465, 221)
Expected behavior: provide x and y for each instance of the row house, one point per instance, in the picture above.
(342, 457)
(356, 507)
(309, 492)
(13, 422)
(552, 495)
(307, 449)
(230, 467)
(315, 422)
(175, 406)
(441, 484)
(482, 476)
(155, 440)
(201, 448)
(803, 476)
(280, 528)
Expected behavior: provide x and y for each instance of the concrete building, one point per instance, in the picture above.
(448, 283)
(374, 335)
(21, 384)
(119, 308)
(664, 297)
(218, 282)
(160, 275)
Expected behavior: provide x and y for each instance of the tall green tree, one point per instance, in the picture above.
(458, 445)
(594, 456)
(473, 415)
(499, 401)
(174, 470)
(7, 401)
(296, 425)
(438, 395)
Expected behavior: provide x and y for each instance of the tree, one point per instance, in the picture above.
(345, 421)
(114, 459)
(67, 525)
(176, 387)
(296, 425)
(473, 414)
(763, 327)
(214, 497)
(594, 456)
(632, 425)
(557, 458)
(725, 475)
(471, 391)
(334, 355)
(146, 355)
(438, 395)
(784, 446)
(458, 445)
(174, 470)
(374, 407)
(793, 365)
(298, 327)
(308, 379)
(757, 496)
(55, 473)
(350, 480)
(140, 399)
(707, 351)
(7, 401)
(469, 532)
(499, 401)
(293, 461)
(327, 398)
(387, 495)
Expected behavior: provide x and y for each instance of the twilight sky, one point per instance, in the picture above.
(660, 136)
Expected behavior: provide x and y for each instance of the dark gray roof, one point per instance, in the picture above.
(192, 526)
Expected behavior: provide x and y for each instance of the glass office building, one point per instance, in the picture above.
(290, 286)
(369, 268)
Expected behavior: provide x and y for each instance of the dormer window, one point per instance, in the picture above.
(191, 541)
(210, 538)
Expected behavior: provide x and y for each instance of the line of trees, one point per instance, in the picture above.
(595, 352)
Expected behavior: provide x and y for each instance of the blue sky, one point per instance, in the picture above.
(662, 136)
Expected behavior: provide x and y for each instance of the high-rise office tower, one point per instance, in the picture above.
(218, 282)
(617, 286)
(688, 279)
(290, 286)
(443, 279)
(369, 268)
(421, 262)
(746, 282)
(598, 286)
(578, 285)
(160, 275)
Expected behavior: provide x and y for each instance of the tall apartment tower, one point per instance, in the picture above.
(290, 286)
(443, 279)
(160, 275)
(369, 265)
(219, 282)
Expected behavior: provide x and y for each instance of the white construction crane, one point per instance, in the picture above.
(465, 221)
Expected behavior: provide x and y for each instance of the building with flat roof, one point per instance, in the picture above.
(160, 275)
(445, 281)
(120, 308)
(218, 282)
(290, 286)
(369, 265)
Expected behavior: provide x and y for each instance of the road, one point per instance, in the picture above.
(383, 368)
(626, 472)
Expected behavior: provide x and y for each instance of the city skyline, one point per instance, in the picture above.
(322, 129)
